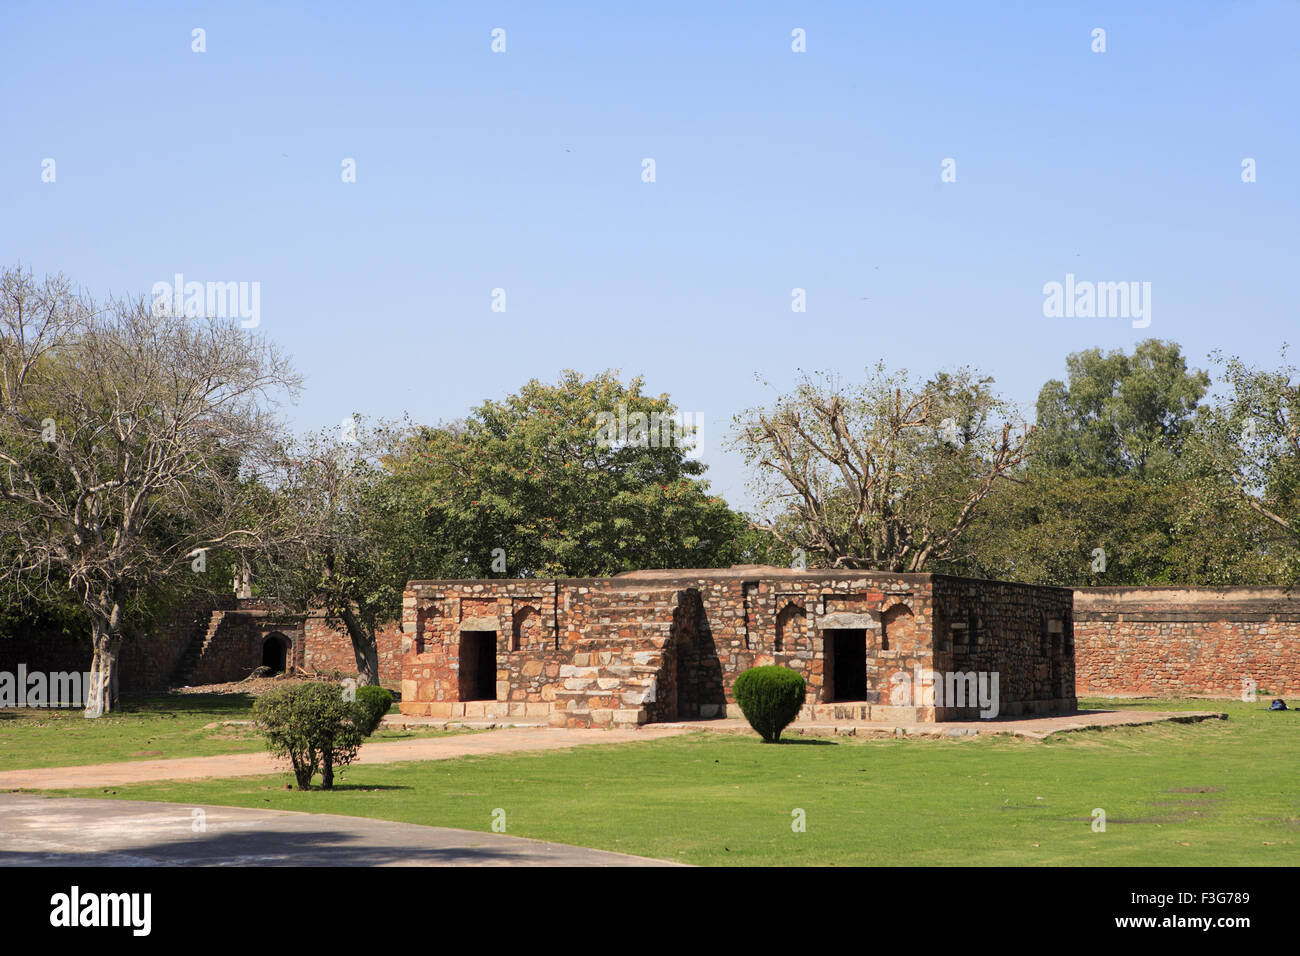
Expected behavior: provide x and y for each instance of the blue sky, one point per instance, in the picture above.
(774, 170)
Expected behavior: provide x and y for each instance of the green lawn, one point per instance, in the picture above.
(145, 728)
(1211, 793)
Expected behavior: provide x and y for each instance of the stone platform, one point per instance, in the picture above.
(1033, 727)
(828, 724)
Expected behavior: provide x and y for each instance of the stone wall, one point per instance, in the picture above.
(144, 666)
(663, 645)
(216, 639)
(148, 665)
(328, 650)
(1024, 633)
(1174, 641)
(49, 651)
(231, 647)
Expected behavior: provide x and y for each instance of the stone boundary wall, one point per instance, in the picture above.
(146, 666)
(1177, 641)
(1169, 641)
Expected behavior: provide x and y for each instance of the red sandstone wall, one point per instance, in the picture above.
(326, 650)
(1171, 642)
(146, 666)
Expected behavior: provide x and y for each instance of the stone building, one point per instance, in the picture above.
(649, 646)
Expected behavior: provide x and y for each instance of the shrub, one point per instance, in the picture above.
(375, 701)
(769, 697)
(313, 726)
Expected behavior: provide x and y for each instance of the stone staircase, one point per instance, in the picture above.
(624, 667)
(204, 632)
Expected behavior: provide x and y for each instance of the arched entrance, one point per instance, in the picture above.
(275, 653)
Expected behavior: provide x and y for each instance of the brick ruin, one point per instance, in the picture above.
(1177, 641)
(650, 646)
(569, 649)
(217, 639)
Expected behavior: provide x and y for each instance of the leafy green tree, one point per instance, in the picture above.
(1120, 488)
(586, 477)
(1109, 531)
(1118, 414)
(314, 727)
(1247, 449)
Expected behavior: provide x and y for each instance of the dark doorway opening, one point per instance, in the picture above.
(275, 653)
(478, 665)
(846, 652)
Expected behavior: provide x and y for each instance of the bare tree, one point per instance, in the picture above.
(884, 476)
(131, 442)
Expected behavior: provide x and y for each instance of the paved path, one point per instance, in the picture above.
(54, 831)
(510, 740)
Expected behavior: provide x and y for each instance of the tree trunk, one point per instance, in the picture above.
(101, 695)
(327, 768)
(365, 648)
(304, 765)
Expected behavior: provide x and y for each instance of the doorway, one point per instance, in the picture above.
(846, 661)
(275, 653)
(478, 665)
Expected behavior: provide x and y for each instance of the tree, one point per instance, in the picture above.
(128, 440)
(1116, 492)
(582, 478)
(1247, 448)
(351, 535)
(1118, 414)
(1050, 528)
(314, 726)
(887, 475)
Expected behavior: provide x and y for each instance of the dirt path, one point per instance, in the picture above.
(394, 751)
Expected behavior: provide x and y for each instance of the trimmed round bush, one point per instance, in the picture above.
(375, 702)
(769, 697)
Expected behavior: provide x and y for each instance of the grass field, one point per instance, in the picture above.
(145, 728)
(1211, 793)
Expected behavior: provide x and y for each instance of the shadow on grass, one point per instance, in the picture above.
(808, 742)
(171, 704)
